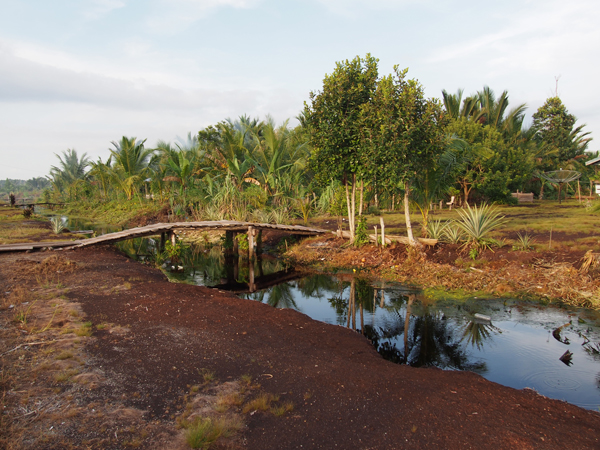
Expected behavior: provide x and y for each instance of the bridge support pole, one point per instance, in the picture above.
(259, 242)
(236, 267)
(236, 250)
(163, 240)
(251, 284)
(251, 244)
(229, 239)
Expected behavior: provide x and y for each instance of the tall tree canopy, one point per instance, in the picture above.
(554, 130)
(334, 120)
(363, 127)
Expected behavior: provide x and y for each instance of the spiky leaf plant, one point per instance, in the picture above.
(58, 224)
(453, 234)
(436, 229)
(523, 242)
(478, 223)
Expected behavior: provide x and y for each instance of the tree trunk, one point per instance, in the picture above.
(411, 239)
(362, 190)
(351, 205)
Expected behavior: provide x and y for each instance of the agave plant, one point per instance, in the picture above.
(58, 225)
(436, 229)
(523, 242)
(478, 223)
(452, 234)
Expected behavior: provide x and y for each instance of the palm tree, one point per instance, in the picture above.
(70, 172)
(131, 162)
(102, 174)
(470, 105)
(493, 112)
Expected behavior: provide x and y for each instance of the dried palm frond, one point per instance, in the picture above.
(590, 261)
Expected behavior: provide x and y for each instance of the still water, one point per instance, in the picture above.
(554, 350)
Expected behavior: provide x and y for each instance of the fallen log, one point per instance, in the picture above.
(390, 238)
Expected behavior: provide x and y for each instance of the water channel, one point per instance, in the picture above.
(551, 349)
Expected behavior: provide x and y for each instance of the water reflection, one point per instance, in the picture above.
(476, 332)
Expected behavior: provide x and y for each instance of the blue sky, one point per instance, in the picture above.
(82, 73)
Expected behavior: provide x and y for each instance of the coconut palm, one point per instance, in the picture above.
(130, 165)
(101, 173)
(70, 172)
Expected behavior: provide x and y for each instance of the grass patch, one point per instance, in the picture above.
(64, 355)
(207, 375)
(280, 410)
(65, 375)
(204, 432)
(262, 402)
(84, 330)
(224, 402)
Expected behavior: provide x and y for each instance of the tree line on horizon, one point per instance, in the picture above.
(365, 142)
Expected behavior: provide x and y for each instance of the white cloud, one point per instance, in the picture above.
(354, 8)
(96, 9)
(171, 16)
(533, 38)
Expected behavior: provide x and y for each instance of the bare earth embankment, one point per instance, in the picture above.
(112, 355)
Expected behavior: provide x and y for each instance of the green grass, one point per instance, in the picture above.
(571, 217)
(204, 432)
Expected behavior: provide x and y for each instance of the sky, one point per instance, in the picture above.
(78, 74)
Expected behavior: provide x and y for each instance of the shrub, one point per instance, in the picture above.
(361, 236)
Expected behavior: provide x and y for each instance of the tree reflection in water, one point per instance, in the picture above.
(476, 332)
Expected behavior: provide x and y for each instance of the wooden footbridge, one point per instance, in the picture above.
(167, 231)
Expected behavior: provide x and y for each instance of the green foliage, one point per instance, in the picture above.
(362, 236)
(204, 432)
(242, 240)
(524, 242)
(436, 229)
(473, 253)
(554, 131)
(333, 119)
(174, 251)
(453, 234)
(478, 223)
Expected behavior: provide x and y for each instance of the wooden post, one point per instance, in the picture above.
(251, 243)
(251, 285)
(173, 238)
(236, 267)
(229, 238)
(235, 243)
(259, 242)
(382, 231)
(163, 240)
(441, 204)
(376, 243)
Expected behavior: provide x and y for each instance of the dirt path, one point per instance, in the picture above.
(161, 353)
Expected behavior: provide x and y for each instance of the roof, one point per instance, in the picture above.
(595, 161)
